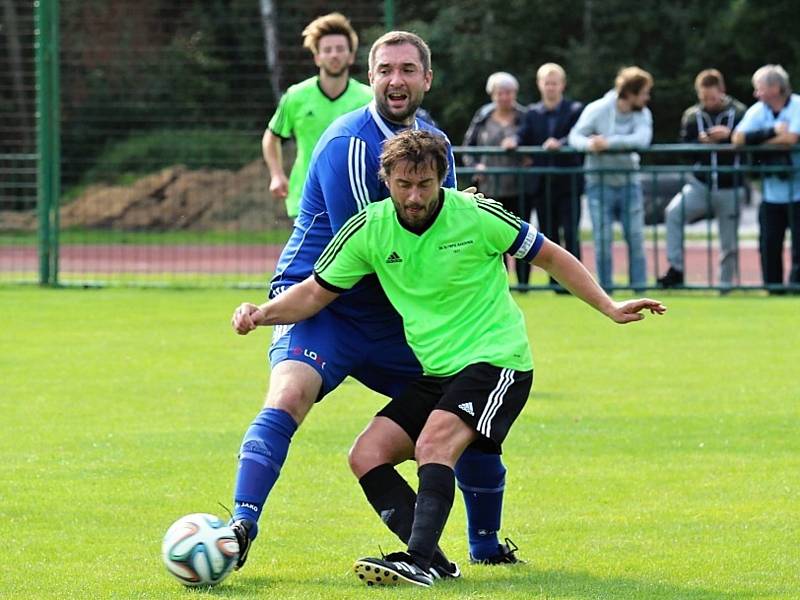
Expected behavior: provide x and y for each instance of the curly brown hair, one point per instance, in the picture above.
(331, 24)
(417, 147)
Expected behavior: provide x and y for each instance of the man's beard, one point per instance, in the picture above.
(339, 73)
(399, 117)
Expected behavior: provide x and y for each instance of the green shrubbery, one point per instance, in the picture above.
(154, 150)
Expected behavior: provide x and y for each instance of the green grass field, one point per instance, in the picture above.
(659, 460)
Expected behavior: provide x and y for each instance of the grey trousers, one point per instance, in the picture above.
(695, 201)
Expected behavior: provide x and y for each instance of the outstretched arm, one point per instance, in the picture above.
(299, 302)
(576, 278)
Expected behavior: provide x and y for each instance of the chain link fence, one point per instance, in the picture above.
(146, 138)
(161, 105)
(18, 153)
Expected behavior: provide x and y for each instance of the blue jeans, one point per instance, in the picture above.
(623, 203)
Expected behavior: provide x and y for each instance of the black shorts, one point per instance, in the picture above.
(485, 397)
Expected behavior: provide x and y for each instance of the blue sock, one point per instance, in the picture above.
(481, 478)
(261, 457)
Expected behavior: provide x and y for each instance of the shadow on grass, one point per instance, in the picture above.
(579, 584)
(503, 582)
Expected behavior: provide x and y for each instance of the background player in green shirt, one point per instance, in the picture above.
(308, 107)
(437, 253)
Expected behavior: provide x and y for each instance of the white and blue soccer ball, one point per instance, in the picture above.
(200, 549)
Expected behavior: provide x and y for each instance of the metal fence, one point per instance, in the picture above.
(666, 169)
(146, 133)
(18, 147)
(138, 160)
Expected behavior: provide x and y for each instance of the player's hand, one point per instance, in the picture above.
(474, 191)
(632, 310)
(781, 127)
(279, 187)
(246, 318)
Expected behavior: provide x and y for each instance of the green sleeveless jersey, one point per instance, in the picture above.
(448, 282)
(304, 112)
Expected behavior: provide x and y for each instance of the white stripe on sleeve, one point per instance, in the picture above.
(353, 174)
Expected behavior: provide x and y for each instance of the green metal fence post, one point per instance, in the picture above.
(388, 14)
(55, 140)
(47, 109)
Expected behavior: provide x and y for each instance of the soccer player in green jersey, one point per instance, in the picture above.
(437, 253)
(308, 107)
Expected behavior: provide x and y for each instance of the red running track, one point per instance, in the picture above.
(110, 259)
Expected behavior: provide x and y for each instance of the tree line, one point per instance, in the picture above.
(592, 39)
(133, 69)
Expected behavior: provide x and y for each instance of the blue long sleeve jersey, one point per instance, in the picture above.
(342, 180)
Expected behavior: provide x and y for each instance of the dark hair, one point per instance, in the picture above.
(631, 80)
(709, 78)
(395, 38)
(417, 147)
(331, 24)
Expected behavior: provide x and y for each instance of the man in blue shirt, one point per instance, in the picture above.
(360, 334)
(775, 119)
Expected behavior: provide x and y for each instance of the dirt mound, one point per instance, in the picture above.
(172, 199)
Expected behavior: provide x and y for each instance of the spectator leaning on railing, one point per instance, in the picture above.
(490, 126)
(775, 119)
(548, 123)
(710, 121)
(619, 120)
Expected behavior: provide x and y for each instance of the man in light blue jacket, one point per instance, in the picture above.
(620, 120)
(775, 119)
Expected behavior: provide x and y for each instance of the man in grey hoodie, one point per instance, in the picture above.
(620, 120)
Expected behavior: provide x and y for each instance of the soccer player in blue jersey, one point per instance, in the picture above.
(437, 252)
(360, 334)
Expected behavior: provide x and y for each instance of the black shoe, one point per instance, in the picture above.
(444, 570)
(506, 555)
(397, 568)
(242, 530)
(672, 278)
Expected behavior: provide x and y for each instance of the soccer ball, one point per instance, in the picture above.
(200, 549)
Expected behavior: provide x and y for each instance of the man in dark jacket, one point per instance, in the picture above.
(547, 123)
(708, 194)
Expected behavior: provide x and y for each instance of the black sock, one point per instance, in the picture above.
(437, 485)
(392, 498)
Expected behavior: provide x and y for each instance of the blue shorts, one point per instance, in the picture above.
(337, 347)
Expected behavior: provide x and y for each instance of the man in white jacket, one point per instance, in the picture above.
(620, 120)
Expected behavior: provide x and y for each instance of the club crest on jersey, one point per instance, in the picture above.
(456, 246)
(394, 257)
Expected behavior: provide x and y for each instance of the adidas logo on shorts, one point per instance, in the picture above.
(394, 257)
(467, 408)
